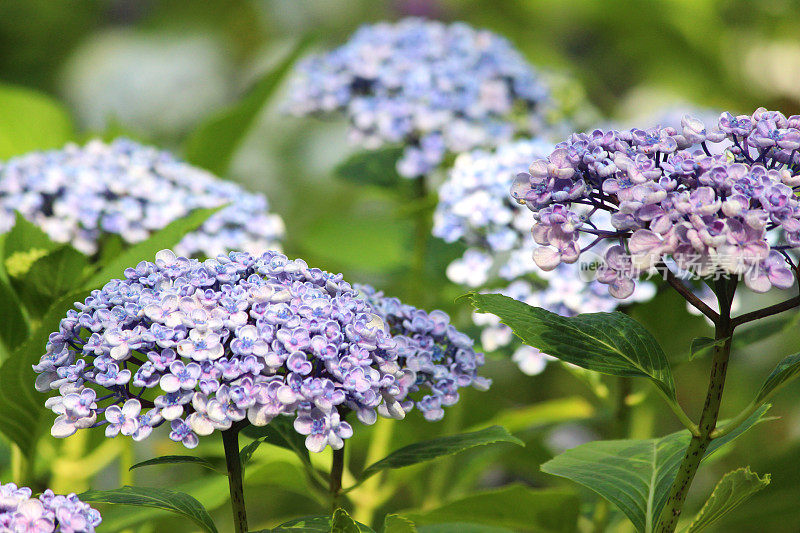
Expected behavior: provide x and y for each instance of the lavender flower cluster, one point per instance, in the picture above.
(437, 358)
(80, 194)
(20, 513)
(435, 88)
(203, 345)
(474, 207)
(715, 201)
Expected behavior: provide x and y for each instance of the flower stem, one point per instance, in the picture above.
(708, 419)
(230, 440)
(337, 470)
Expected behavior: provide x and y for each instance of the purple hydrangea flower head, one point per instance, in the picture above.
(251, 338)
(435, 359)
(80, 194)
(709, 201)
(49, 513)
(436, 88)
(475, 209)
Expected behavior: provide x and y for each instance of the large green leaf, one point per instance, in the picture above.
(611, 343)
(431, 449)
(787, 370)
(51, 277)
(342, 523)
(180, 459)
(733, 489)
(23, 244)
(371, 167)
(30, 121)
(634, 475)
(166, 237)
(169, 500)
(515, 507)
(215, 142)
(21, 406)
(321, 524)
(13, 324)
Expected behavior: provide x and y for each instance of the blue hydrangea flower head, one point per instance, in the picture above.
(200, 346)
(712, 201)
(49, 513)
(435, 88)
(475, 209)
(79, 194)
(436, 358)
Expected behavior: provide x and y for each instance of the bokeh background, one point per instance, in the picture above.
(156, 70)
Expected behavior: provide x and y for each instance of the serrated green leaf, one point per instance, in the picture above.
(701, 344)
(733, 489)
(394, 523)
(169, 500)
(30, 120)
(317, 524)
(180, 459)
(431, 449)
(371, 167)
(21, 406)
(787, 370)
(611, 343)
(634, 475)
(515, 507)
(51, 277)
(215, 142)
(166, 237)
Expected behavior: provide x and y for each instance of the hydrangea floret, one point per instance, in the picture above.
(437, 358)
(711, 201)
(49, 513)
(80, 194)
(435, 88)
(201, 346)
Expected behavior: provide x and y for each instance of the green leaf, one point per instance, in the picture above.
(611, 343)
(320, 524)
(23, 245)
(460, 527)
(544, 413)
(515, 507)
(170, 500)
(146, 250)
(21, 406)
(634, 475)
(431, 449)
(342, 523)
(701, 344)
(30, 120)
(371, 167)
(246, 453)
(394, 523)
(14, 326)
(280, 432)
(51, 277)
(733, 489)
(787, 370)
(215, 142)
(180, 459)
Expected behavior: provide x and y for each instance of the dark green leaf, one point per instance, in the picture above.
(316, 524)
(169, 500)
(30, 120)
(394, 523)
(371, 167)
(787, 370)
(14, 327)
(180, 459)
(167, 237)
(733, 489)
(427, 450)
(51, 277)
(21, 406)
(701, 344)
(214, 143)
(23, 245)
(247, 452)
(515, 507)
(634, 475)
(611, 343)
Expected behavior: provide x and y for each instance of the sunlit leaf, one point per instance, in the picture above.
(787, 370)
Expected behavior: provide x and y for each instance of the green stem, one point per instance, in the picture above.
(337, 470)
(230, 440)
(708, 419)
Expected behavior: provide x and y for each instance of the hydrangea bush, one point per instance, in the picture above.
(80, 194)
(435, 88)
(49, 513)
